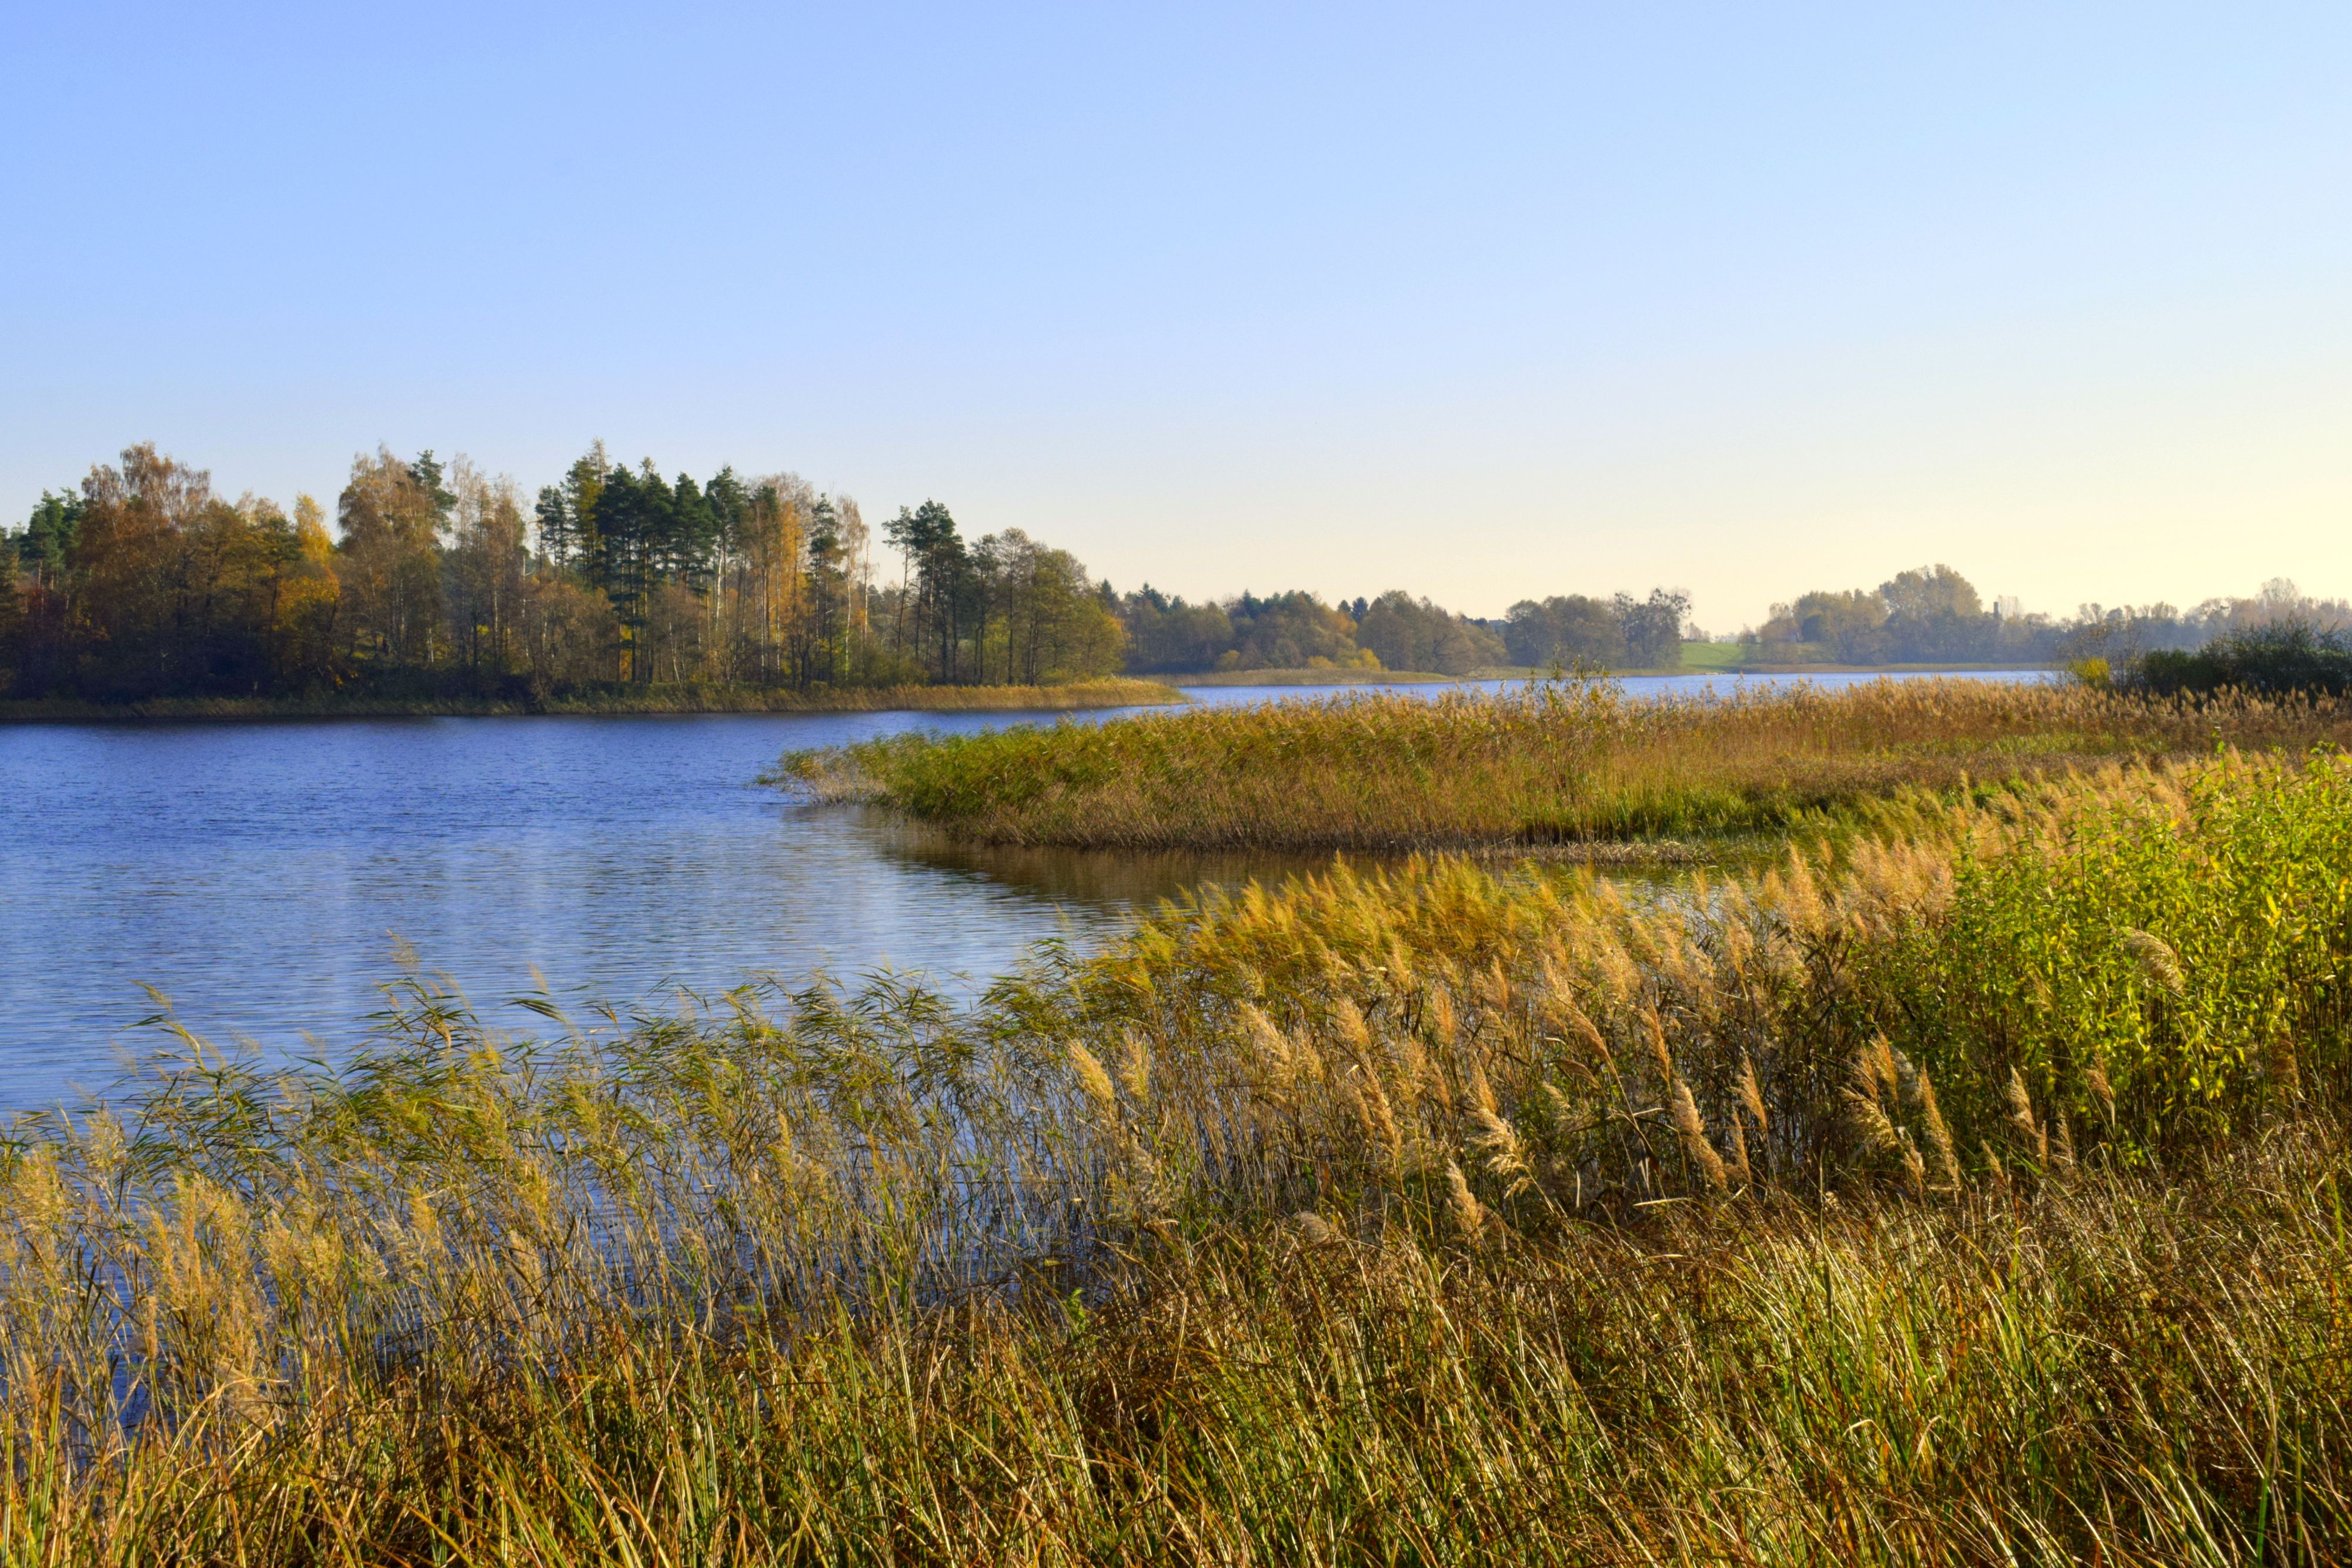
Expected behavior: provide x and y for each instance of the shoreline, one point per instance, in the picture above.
(1125, 691)
(1121, 692)
(1338, 677)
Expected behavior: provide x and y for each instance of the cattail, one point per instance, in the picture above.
(1696, 1147)
(2159, 964)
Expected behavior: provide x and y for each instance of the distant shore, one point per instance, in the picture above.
(1335, 677)
(1109, 692)
(1118, 692)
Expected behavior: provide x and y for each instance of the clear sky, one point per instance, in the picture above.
(1484, 301)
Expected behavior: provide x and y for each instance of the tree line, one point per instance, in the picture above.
(1935, 615)
(433, 579)
(1398, 631)
(438, 580)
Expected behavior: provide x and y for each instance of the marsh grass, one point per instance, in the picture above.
(1965, 1190)
(1567, 762)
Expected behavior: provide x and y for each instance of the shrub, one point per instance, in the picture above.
(2283, 657)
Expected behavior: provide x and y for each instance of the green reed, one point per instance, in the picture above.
(1968, 1189)
(1554, 762)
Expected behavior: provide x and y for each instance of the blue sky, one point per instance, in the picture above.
(1482, 301)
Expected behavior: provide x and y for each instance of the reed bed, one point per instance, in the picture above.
(1967, 1190)
(1564, 762)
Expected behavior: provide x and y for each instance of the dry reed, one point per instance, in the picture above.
(1553, 763)
(1422, 1214)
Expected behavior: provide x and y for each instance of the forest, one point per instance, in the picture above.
(438, 580)
(434, 580)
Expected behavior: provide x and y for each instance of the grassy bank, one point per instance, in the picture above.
(1549, 764)
(664, 699)
(1306, 677)
(1753, 658)
(1970, 1193)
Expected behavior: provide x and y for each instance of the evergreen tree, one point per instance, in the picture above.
(49, 536)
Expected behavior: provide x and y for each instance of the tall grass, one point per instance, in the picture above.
(1554, 762)
(1970, 1190)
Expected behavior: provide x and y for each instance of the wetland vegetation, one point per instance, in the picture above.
(1954, 1174)
(1555, 762)
(1966, 1189)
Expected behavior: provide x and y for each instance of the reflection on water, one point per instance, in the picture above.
(261, 874)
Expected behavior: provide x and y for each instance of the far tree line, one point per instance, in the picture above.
(431, 577)
(1934, 615)
(435, 578)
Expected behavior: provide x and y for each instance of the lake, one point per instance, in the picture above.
(265, 876)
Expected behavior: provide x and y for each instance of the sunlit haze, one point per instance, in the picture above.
(1481, 302)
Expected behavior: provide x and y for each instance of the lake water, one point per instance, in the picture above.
(264, 877)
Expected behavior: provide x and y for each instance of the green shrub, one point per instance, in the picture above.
(2286, 656)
